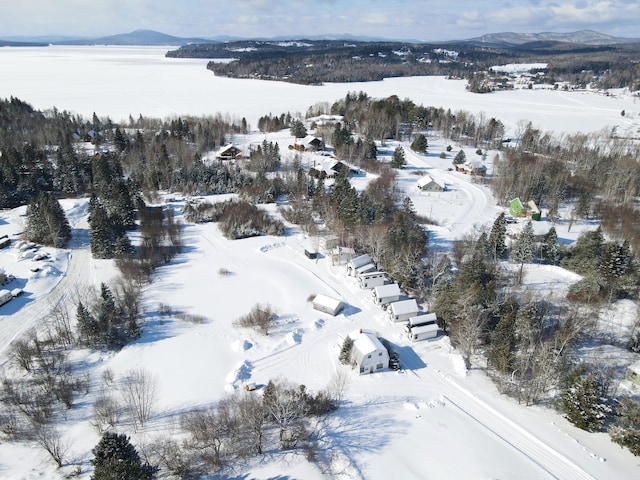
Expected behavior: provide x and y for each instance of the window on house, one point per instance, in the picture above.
(368, 356)
(379, 354)
(378, 366)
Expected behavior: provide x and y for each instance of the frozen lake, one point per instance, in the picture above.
(118, 81)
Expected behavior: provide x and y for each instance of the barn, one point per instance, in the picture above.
(403, 310)
(326, 304)
(385, 294)
(368, 354)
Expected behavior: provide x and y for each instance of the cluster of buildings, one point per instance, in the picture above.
(369, 354)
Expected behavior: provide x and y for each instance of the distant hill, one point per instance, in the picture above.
(582, 37)
(137, 37)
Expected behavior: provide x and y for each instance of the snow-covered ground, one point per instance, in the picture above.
(433, 420)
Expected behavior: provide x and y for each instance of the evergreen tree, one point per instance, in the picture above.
(584, 399)
(550, 252)
(298, 129)
(399, 159)
(345, 351)
(626, 429)
(419, 143)
(497, 237)
(115, 458)
(88, 329)
(46, 221)
(500, 354)
(100, 230)
(522, 250)
(460, 158)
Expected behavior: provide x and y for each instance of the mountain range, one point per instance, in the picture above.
(151, 37)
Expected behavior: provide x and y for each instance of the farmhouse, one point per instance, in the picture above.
(472, 168)
(430, 184)
(326, 304)
(360, 264)
(530, 210)
(371, 280)
(403, 310)
(228, 152)
(386, 294)
(368, 354)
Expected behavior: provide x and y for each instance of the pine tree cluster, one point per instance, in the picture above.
(46, 221)
(107, 323)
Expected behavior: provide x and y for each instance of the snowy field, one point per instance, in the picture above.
(433, 420)
(119, 81)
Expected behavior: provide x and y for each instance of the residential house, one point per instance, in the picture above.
(326, 304)
(429, 184)
(368, 354)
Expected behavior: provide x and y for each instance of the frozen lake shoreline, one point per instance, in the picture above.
(120, 81)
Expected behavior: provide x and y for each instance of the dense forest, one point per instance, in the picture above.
(315, 61)
(529, 345)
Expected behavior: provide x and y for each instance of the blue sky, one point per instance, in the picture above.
(395, 19)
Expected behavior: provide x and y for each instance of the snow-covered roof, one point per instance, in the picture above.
(424, 328)
(429, 317)
(403, 307)
(327, 301)
(390, 290)
(360, 261)
(366, 341)
(427, 179)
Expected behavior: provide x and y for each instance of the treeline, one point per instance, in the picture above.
(56, 152)
(315, 62)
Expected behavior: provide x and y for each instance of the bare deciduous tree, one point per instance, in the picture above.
(50, 439)
(139, 389)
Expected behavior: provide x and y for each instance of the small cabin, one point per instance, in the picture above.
(403, 310)
(530, 210)
(371, 280)
(326, 304)
(386, 294)
(360, 264)
(422, 332)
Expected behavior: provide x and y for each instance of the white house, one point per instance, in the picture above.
(430, 184)
(370, 280)
(368, 355)
(326, 304)
(385, 294)
(403, 310)
(360, 264)
(422, 332)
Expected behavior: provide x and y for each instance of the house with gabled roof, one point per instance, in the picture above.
(368, 354)
(229, 152)
(429, 184)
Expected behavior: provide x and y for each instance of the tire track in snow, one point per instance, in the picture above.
(552, 462)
